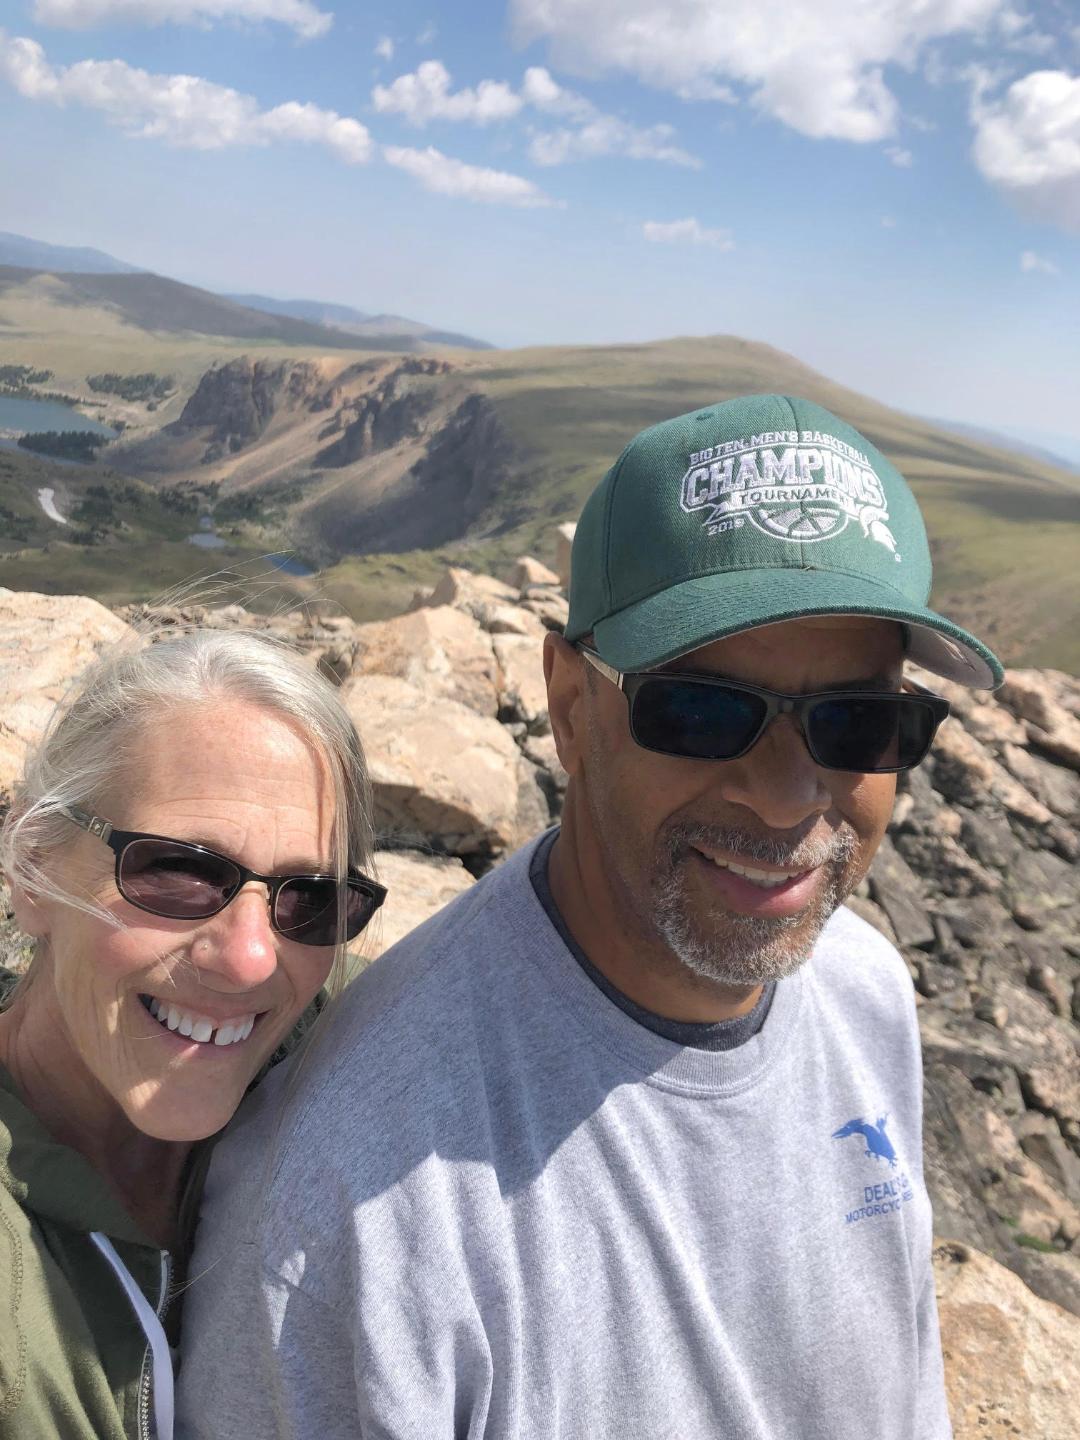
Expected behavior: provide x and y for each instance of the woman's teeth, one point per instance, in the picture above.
(767, 879)
(199, 1027)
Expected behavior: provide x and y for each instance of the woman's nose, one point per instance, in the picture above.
(242, 947)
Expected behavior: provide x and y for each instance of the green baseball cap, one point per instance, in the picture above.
(757, 510)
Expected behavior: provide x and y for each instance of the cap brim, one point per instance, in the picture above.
(680, 619)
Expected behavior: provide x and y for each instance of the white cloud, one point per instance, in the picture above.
(540, 89)
(447, 176)
(1030, 262)
(182, 110)
(1027, 142)
(594, 134)
(384, 49)
(607, 135)
(816, 65)
(427, 35)
(899, 156)
(299, 15)
(686, 232)
(425, 95)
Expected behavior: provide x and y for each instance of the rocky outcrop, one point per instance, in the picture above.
(441, 649)
(45, 640)
(978, 885)
(419, 885)
(233, 403)
(395, 410)
(442, 774)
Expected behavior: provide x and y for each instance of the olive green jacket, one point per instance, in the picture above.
(74, 1359)
(75, 1362)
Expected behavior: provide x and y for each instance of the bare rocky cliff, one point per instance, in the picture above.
(381, 456)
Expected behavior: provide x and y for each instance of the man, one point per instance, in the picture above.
(627, 1140)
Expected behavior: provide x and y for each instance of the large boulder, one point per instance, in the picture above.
(443, 775)
(1012, 1360)
(1048, 702)
(522, 689)
(45, 641)
(442, 650)
(419, 886)
(529, 571)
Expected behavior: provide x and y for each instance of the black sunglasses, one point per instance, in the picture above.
(704, 717)
(182, 881)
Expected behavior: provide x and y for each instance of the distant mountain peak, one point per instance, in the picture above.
(358, 322)
(30, 254)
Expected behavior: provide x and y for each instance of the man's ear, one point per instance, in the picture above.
(564, 673)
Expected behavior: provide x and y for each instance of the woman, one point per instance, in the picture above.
(186, 851)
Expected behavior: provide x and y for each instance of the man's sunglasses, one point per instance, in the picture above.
(182, 881)
(703, 717)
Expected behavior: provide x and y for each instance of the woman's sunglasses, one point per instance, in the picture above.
(703, 717)
(181, 881)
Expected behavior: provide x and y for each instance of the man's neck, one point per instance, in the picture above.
(144, 1173)
(641, 966)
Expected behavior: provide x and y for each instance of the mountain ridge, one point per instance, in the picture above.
(359, 322)
(26, 252)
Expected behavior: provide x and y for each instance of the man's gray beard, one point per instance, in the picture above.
(747, 949)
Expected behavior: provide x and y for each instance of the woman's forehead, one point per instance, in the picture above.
(219, 755)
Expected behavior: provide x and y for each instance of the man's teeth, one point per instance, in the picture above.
(768, 879)
(200, 1027)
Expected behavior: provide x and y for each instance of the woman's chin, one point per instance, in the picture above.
(175, 1114)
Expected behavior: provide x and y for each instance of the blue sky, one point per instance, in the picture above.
(889, 189)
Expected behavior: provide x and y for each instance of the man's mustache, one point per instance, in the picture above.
(836, 851)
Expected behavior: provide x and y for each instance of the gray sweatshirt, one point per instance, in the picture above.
(491, 1204)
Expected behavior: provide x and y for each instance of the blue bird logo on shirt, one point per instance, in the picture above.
(878, 1143)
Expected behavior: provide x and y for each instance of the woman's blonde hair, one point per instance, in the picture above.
(89, 743)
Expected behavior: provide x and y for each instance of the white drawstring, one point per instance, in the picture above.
(155, 1334)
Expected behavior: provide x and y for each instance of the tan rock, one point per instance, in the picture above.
(419, 886)
(967, 772)
(440, 772)
(443, 651)
(45, 642)
(873, 915)
(521, 685)
(529, 571)
(564, 544)
(463, 588)
(551, 608)
(992, 724)
(1033, 696)
(513, 620)
(1012, 1361)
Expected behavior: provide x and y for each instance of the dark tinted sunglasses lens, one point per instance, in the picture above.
(871, 733)
(307, 910)
(175, 880)
(705, 722)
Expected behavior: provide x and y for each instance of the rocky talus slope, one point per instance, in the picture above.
(977, 884)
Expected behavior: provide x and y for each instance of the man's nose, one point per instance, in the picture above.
(242, 949)
(778, 779)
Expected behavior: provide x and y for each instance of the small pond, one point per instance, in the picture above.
(25, 416)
